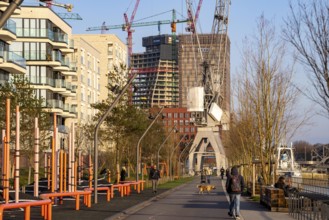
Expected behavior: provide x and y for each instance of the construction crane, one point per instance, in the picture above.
(68, 7)
(207, 101)
(50, 3)
(129, 30)
(193, 20)
(124, 27)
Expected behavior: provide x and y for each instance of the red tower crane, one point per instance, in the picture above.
(129, 30)
(192, 23)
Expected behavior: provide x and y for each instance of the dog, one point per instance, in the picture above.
(205, 188)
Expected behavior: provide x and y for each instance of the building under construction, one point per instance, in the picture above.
(157, 81)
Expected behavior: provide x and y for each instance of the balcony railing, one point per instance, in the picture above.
(10, 26)
(42, 33)
(10, 56)
(54, 103)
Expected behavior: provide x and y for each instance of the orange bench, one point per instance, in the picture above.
(46, 208)
(86, 197)
(142, 184)
(108, 190)
(137, 185)
(123, 188)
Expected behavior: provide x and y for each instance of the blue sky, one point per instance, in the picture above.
(243, 16)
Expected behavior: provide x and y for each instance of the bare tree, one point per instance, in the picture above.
(265, 114)
(307, 29)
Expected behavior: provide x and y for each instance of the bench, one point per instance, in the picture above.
(107, 189)
(136, 185)
(86, 197)
(46, 208)
(123, 188)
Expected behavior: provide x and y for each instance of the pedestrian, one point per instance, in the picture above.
(234, 187)
(222, 172)
(123, 174)
(154, 176)
(227, 173)
(208, 174)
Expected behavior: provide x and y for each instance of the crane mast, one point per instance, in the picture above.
(207, 102)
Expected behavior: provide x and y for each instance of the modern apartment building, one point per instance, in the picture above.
(112, 51)
(44, 40)
(157, 79)
(87, 80)
(10, 62)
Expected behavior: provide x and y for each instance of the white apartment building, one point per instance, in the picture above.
(87, 80)
(10, 62)
(112, 52)
(44, 40)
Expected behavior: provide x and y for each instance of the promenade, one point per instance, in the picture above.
(182, 202)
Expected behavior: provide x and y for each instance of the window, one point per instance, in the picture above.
(181, 115)
(169, 115)
(192, 129)
(175, 115)
(187, 129)
(181, 122)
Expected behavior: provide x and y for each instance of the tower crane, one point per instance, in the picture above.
(50, 3)
(193, 20)
(129, 30)
(68, 7)
(124, 27)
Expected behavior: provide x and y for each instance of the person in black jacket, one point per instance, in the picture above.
(123, 174)
(154, 177)
(234, 187)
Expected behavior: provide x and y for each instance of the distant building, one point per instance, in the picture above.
(112, 51)
(157, 79)
(191, 69)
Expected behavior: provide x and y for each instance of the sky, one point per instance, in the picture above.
(242, 23)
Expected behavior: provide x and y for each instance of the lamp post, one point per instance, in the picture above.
(172, 153)
(96, 133)
(141, 138)
(173, 129)
(180, 155)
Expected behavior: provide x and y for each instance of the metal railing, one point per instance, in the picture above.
(310, 200)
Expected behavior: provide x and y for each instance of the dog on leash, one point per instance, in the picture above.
(205, 188)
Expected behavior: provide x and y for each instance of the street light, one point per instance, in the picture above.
(140, 139)
(96, 133)
(172, 153)
(173, 129)
(187, 144)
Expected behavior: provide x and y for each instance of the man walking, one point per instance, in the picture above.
(234, 187)
(154, 177)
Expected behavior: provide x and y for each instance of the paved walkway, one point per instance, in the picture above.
(183, 202)
(186, 203)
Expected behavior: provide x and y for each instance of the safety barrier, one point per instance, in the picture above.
(86, 197)
(311, 201)
(46, 208)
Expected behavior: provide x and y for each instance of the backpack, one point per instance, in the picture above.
(235, 183)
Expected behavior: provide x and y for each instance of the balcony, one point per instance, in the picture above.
(12, 62)
(42, 58)
(70, 49)
(54, 105)
(4, 5)
(57, 40)
(8, 32)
